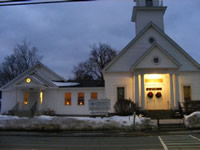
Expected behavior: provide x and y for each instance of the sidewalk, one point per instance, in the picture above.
(168, 121)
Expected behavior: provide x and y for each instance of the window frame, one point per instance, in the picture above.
(92, 95)
(26, 95)
(68, 100)
(190, 93)
(124, 96)
(81, 99)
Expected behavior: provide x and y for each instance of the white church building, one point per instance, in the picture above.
(152, 70)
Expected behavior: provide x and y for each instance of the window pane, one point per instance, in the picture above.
(25, 98)
(93, 95)
(41, 97)
(149, 3)
(187, 93)
(80, 98)
(67, 98)
(120, 93)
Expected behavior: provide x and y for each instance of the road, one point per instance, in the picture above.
(155, 142)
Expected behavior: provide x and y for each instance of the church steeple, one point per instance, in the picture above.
(147, 11)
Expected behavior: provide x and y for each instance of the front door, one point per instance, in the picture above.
(30, 98)
(157, 92)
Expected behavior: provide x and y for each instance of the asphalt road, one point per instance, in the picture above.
(45, 142)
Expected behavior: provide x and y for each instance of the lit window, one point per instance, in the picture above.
(80, 98)
(93, 95)
(28, 80)
(67, 98)
(41, 97)
(25, 98)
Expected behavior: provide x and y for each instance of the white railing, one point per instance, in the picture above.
(146, 3)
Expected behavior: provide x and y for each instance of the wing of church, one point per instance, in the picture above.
(152, 70)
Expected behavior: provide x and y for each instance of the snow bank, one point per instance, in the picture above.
(66, 83)
(4, 117)
(73, 123)
(192, 120)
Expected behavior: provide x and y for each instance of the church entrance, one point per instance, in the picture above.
(157, 91)
(31, 99)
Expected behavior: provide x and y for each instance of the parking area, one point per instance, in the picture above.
(76, 141)
(180, 141)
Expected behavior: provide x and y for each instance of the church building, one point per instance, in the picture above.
(152, 70)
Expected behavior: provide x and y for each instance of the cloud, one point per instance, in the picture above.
(63, 32)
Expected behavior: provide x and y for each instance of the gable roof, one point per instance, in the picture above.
(80, 83)
(155, 44)
(151, 24)
(31, 70)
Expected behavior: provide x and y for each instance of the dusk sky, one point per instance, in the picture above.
(63, 32)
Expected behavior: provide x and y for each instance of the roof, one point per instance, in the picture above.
(30, 71)
(155, 44)
(81, 83)
(151, 24)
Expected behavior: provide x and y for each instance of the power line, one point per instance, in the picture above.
(37, 3)
(8, 1)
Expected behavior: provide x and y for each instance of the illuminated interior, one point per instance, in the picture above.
(157, 88)
(93, 95)
(80, 98)
(67, 98)
(41, 97)
(25, 98)
(153, 80)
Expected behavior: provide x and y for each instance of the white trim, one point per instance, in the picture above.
(151, 24)
(136, 89)
(29, 72)
(162, 50)
(142, 91)
(171, 91)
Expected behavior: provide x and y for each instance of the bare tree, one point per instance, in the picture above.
(91, 69)
(23, 57)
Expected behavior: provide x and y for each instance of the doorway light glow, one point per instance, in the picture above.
(41, 97)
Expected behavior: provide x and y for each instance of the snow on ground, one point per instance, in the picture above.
(66, 83)
(73, 123)
(192, 120)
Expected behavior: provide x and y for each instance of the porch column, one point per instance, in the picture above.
(171, 91)
(142, 92)
(177, 91)
(136, 90)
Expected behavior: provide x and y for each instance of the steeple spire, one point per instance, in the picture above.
(147, 11)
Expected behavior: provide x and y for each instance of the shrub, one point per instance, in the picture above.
(49, 112)
(125, 107)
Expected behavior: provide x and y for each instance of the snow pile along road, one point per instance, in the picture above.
(192, 120)
(73, 123)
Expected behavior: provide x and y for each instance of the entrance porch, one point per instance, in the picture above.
(156, 91)
(28, 101)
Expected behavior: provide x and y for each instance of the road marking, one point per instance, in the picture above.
(162, 142)
(179, 142)
(194, 137)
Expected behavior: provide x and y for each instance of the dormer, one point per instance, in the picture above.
(146, 11)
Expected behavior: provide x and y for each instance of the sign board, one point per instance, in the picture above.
(99, 106)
